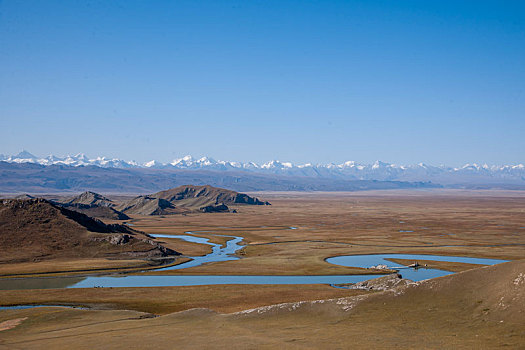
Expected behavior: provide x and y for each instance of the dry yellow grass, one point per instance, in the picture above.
(478, 224)
(61, 265)
(164, 300)
(68, 267)
(477, 309)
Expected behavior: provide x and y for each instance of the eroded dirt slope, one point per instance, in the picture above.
(35, 229)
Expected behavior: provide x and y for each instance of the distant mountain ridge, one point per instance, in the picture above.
(25, 172)
(18, 178)
(349, 170)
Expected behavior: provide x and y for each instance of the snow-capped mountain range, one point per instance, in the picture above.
(469, 173)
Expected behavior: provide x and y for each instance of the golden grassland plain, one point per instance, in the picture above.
(165, 300)
(59, 267)
(462, 310)
(486, 224)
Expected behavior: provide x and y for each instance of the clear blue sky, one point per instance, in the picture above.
(305, 81)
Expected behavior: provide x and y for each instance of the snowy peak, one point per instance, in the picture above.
(275, 164)
(153, 164)
(183, 162)
(25, 155)
(349, 170)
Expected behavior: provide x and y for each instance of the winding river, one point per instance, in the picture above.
(219, 253)
(225, 253)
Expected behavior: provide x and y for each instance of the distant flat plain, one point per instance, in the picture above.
(486, 224)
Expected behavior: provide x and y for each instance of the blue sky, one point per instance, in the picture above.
(304, 81)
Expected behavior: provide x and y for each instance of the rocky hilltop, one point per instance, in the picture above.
(188, 198)
(89, 198)
(94, 205)
(147, 205)
(36, 229)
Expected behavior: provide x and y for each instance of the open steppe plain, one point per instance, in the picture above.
(481, 307)
(478, 224)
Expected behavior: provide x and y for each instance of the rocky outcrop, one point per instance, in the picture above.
(123, 239)
(119, 239)
(382, 283)
(380, 267)
(242, 198)
(220, 208)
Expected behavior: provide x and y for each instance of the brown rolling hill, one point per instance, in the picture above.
(94, 205)
(36, 229)
(89, 198)
(99, 212)
(188, 198)
(147, 205)
(201, 196)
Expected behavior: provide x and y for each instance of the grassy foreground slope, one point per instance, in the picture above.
(480, 308)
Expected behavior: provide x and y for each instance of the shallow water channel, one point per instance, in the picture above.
(219, 253)
(23, 307)
(224, 253)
